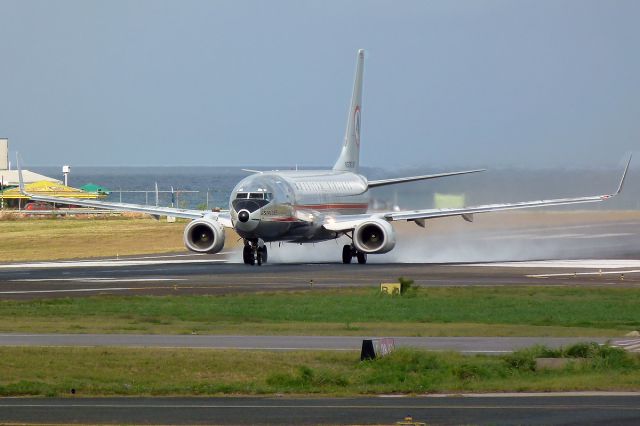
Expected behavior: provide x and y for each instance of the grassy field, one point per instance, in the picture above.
(71, 238)
(119, 371)
(483, 311)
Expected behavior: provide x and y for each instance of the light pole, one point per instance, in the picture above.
(65, 171)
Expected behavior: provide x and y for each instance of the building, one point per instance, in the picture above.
(35, 183)
(9, 178)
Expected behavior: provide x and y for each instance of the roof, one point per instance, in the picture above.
(92, 187)
(10, 177)
(50, 189)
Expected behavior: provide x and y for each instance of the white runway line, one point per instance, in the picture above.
(568, 264)
(620, 234)
(529, 236)
(99, 280)
(578, 274)
(167, 256)
(99, 263)
(534, 236)
(74, 290)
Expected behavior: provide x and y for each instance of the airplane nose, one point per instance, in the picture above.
(243, 216)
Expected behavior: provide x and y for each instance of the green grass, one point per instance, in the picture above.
(426, 311)
(120, 371)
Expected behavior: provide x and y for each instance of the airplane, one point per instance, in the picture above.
(308, 206)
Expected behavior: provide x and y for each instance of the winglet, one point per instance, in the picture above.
(624, 175)
(20, 178)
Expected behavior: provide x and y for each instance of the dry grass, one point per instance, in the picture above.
(70, 238)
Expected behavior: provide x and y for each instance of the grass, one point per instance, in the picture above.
(70, 238)
(484, 311)
(120, 371)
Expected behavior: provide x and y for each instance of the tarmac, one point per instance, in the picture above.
(214, 275)
(469, 345)
(491, 409)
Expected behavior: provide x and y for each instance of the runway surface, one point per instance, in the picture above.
(566, 409)
(200, 275)
(583, 250)
(470, 345)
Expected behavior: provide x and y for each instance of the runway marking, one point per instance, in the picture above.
(76, 290)
(568, 264)
(94, 263)
(168, 256)
(555, 236)
(532, 394)
(620, 234)
(552, 237)
(99, 289)
(632, 345)
(98, 279)
(572, 274)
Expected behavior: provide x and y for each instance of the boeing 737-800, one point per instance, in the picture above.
(311, 206)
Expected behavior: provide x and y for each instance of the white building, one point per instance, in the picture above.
(9, 177)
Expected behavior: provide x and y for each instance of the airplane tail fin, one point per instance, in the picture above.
(350, 155)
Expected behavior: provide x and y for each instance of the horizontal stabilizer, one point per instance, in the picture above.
(383, 182)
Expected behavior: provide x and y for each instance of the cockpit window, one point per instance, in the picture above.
(242, 195)
(256, 195)
(268, 196)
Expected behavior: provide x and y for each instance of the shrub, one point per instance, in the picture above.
(525, 359)
(405, 284)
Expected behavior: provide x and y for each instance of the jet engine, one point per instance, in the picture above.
(374, 236)
(204, 236)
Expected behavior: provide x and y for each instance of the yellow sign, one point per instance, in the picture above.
(390, 288)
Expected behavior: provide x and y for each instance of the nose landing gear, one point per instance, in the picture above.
(349, 252)
(254, 251)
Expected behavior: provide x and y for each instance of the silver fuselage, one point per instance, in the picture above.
(292, 205)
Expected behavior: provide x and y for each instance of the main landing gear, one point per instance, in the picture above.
(349, 252)
(254, 251)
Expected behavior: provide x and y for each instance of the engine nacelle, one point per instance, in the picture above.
(374, 236)
(204, 236)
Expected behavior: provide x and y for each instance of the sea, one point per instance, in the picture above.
(210, 187)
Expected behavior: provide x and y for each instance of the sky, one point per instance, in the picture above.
(512, 83)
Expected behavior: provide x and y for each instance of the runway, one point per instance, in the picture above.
(468, 345)
(196, 275)
(567, 409)
(553, 248)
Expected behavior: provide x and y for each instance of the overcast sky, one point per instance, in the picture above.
(447, 83)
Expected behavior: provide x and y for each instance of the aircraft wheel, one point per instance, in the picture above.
(262, 254)
(346, 254)
(247, 255)
(362, 257)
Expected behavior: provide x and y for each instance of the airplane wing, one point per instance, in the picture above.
(347, 222)
(383, 182)
(222, 217)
